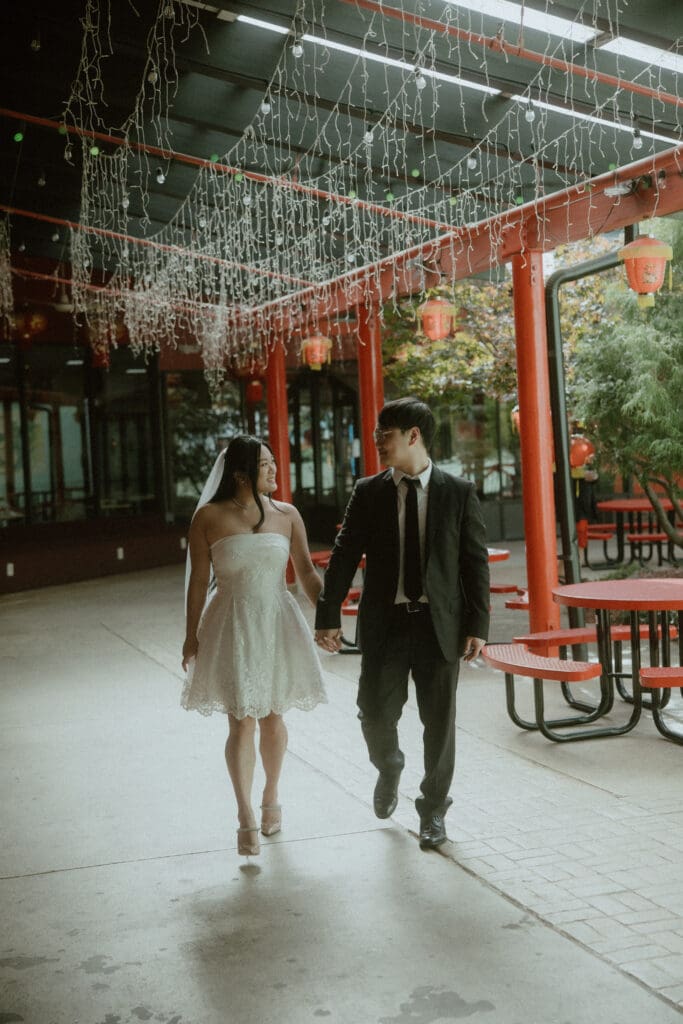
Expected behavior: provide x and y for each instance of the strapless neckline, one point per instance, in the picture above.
(235, 536)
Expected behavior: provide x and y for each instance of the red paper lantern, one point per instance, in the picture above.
(28, 323)
(316, 350)
(437, 318)
(254, 392)
(580, 451)
(645, 262)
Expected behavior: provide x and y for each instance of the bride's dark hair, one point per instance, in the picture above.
(243, 457)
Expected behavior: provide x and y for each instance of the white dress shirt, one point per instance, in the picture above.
(422, 492)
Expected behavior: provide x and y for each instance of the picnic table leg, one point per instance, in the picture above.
(602, 623)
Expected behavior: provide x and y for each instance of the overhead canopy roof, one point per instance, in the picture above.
(281, 161)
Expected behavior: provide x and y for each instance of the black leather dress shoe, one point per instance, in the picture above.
(385, 797)
(432, 832)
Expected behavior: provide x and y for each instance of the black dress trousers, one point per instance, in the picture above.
(411, 647)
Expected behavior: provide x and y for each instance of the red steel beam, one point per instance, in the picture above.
(263, 179)
(567, 216)
(509, 50)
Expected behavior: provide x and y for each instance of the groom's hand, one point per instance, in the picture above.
(329, 639)
(473, 647)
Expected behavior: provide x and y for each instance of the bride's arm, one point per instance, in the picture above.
(301, 556)
(200, 556)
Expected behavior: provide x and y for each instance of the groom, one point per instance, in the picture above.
(425, 602)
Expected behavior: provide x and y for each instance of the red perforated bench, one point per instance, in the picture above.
(563, 638)
(516, 659)
(519, 603)
(663, 677)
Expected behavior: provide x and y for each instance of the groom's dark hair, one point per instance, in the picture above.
(405, 413)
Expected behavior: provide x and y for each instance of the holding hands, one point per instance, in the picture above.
(329, 639)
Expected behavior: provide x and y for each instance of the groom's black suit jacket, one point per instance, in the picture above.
(456, 572)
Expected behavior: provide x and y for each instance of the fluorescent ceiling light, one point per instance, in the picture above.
(354, 51)
(74, 362)
(135, 369)
(603, 122)
(645, 54)
(562, 27)
(4, 359)
(263, 24)
(572, 31)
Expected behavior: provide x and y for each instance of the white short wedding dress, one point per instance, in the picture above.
(256, 654)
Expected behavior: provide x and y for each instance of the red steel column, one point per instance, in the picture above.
(278, 429)
(536, 439)
(370, 382)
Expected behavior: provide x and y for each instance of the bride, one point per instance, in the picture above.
(248, 650)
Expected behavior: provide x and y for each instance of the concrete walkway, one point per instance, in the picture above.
(558, 901)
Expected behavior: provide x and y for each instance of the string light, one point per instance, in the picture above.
(637, 139)
(236, 285)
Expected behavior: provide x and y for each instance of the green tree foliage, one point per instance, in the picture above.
(628, 384)
(479, 357)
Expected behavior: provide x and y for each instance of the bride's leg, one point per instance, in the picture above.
(272, 747)
(240, 757)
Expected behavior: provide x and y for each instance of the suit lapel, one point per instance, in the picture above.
(437, 493)
(387, 515)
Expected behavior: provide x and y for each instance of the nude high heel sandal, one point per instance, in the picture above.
(247, 847)
(271, 819)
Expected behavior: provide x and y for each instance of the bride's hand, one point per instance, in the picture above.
(190, 648)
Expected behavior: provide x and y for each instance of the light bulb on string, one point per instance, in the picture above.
(420, 80)
(35, 45)
(55, 236)
(125, 202)
(41, 181)
(160, 176)
(637, 139)
(472, 162)
(297, 49)
(247, 200)
(350, 257)
(530, 113)
(68, 153)
(265, 107)
(22, 247)
(153, 76)
(326, 220)
(368, 136)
